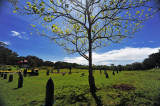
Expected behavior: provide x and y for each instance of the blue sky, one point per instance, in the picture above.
(15, 31)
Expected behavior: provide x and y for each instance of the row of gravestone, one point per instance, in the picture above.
(20, 79)
(48, 71)
(49, 100)
(106, 74)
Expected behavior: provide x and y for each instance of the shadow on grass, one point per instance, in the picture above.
(98, 101)
(8, 82)
(15, 88)
(2, 103)
(76, 95)
(157, 101)
(72, 95)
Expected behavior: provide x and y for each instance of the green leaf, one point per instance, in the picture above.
(14, 11)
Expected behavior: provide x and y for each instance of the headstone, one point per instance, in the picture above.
(47, 72)
(113, 73)
(5, 76)
(49, 93)
(10, 78)
(20, 81)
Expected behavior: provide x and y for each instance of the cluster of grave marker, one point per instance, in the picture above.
(20, 79)
(113, 73)
(49, 98)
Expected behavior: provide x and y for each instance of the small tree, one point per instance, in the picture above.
(87, 24)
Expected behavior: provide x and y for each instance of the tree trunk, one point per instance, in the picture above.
(91, 77)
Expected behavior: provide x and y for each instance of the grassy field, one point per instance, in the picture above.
(125, 88)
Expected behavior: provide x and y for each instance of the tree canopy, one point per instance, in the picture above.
(105, 20)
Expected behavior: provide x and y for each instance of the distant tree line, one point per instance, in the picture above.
(8, 57)
(153, 61)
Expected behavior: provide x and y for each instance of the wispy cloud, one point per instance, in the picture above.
(123, 56)
(151, 41)
(138, 43)
(21, 35)
(134, 43)
(14, 33)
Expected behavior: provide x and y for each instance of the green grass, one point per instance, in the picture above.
(74, 89)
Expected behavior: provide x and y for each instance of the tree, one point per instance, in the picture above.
(2, 44)
(48, 63)
(137, 66)
(156, 58)
(34, 59)
(7, 56)
(149, 63)
(152, 61)
(87, 24)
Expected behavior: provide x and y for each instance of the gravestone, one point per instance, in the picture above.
(10, 78)
(47, 72)
(20, 81)
(113, 73)
(49, 93)
(5, 76)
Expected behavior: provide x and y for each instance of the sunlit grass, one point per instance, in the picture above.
(74, 88)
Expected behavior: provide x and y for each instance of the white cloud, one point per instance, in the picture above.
(123, 56)
(21, 35)
(138, 43)
(134, 43)
(151, 41)
(14, 33)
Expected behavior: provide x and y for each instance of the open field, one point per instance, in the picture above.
(125, 88)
